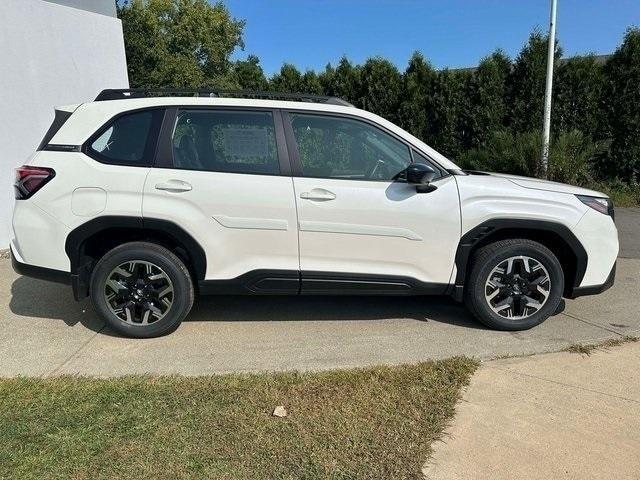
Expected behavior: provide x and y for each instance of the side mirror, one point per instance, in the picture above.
(421, 176)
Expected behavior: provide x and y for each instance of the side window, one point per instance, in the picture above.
(127, 141)
(336, 147)
(225, 141)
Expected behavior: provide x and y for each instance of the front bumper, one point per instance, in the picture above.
(594, 289)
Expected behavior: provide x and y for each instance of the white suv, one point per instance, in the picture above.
(142, 201)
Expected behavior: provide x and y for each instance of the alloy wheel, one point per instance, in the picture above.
(139, 292)
(517, 287)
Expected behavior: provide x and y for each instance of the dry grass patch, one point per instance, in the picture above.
(373, 423)
(589, 348)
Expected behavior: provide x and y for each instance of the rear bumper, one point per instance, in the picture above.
(41, 273)
(594, 289)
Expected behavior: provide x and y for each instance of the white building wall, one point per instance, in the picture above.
(50, 55)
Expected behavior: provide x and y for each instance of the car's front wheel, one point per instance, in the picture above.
(142, 290)
(514, 284)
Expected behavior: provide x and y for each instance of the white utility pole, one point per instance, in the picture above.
(548, 89)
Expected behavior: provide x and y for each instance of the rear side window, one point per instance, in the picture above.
(128, 140)
(225, 141)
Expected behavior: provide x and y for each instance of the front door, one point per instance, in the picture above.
(360, 227)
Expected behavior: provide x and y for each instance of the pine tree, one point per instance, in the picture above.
(380, 88)
(527, 84)
(416, 106)
(489, 91)
(622, 104)
(249, 74)
(578, 95)
(289, 79)
(342, 81)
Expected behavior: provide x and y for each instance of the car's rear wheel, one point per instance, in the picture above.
(514, 284)
(142, 290)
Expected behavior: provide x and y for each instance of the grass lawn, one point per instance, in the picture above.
(373, 423)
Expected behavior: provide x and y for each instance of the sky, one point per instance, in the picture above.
(450, 33)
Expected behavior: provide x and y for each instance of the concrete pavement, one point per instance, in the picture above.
(628, 223)
(44, 332)
(559, 416)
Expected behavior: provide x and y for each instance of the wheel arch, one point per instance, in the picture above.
(555, 236)
(88, 242)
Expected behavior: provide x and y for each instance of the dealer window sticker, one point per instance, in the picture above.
(246, 142)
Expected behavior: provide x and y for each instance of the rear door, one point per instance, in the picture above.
(362, 227)
(222, 174)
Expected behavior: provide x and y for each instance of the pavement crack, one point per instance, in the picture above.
(593, 324)
(74, 354)
(569, 385)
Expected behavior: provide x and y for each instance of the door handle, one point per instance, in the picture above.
(318, 194)
(174, 186)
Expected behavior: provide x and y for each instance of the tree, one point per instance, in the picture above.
(181, 43)
(311, 83)
(622, 102)
(249, 74)
(527, 84)
(489, 91)
(343, 81)
(450, 112)
(380, 88)
(577, 101)
(325, 79)
(289, 79)
(416, 107)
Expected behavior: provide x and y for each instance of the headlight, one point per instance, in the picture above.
(602, 205)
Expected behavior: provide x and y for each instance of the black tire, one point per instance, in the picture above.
(482, 263)
(182, 295)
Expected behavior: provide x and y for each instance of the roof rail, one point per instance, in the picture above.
(121, 94)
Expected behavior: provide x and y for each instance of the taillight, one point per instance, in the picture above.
(31, 179)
